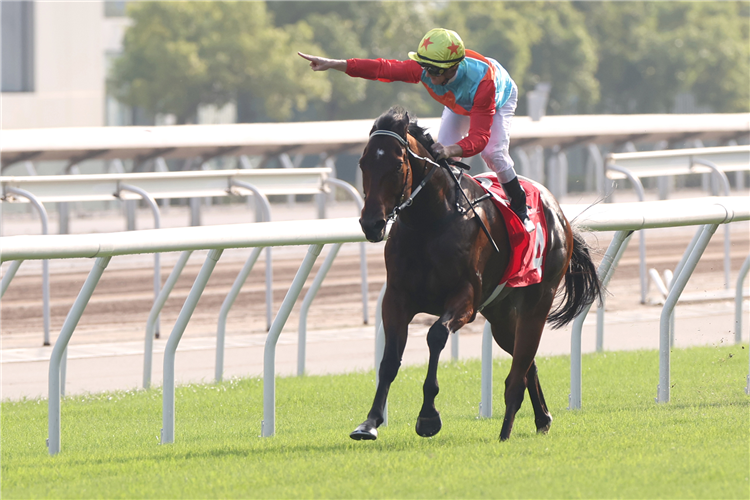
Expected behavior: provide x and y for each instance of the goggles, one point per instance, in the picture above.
(433, 70)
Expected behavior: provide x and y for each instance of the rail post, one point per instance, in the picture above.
(45, 263)
(8, 276)
(226, 306)
(362, 248)
(380, 343)
(738, 301)
(264, 209)
(485, 407)
(168, 398)
(157, 225)
(638, 186)
(161, 299)
(718, 174)
(268, 425)
(305, 308)
(605, 271)
(53, 424)
(678, 285)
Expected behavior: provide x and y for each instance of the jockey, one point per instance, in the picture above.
(479, 96)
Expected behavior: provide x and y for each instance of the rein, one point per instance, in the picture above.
(435, 166)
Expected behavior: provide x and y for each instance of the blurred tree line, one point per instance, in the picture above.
(599, 57)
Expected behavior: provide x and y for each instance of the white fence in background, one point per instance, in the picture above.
(149, 187)
(623, 218)
(665, 165)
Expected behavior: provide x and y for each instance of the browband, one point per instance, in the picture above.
(392, 134)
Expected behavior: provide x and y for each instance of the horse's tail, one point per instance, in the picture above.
(582, 285)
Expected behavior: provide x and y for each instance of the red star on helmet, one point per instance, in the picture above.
(453, 48)
(426, 43)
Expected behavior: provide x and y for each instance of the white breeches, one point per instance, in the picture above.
(454, 127)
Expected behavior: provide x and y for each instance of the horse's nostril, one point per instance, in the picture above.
(373, 229)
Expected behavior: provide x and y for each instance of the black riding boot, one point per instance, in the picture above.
(517, 197)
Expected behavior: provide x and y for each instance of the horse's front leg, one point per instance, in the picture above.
(458, 314)
(395, 325)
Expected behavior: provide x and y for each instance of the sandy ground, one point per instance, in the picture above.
(106, 350)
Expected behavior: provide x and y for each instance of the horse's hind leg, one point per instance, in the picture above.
(529, 327)
(504, 335)
(542, 417)
(428, 421)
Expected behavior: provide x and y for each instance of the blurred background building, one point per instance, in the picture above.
(70, 64)
(58, 55)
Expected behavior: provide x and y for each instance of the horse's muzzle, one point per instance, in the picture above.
(374, 230)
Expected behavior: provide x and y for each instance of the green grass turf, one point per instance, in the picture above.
(620, 445)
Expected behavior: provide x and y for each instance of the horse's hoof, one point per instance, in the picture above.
(429, 426)
(543, 427)
(364, 432)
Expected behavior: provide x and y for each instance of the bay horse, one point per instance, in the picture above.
(441, 261)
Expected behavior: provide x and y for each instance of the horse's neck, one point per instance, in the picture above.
(435, 201)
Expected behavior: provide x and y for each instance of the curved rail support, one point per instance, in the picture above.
(157, 225)
(379, 332)
(638, 186)
(738, 311)
(161, 299)
(485, 407)
(167, 431)
(309, 296)
(227, 305)
(727, 237)
(53, 424)
(380, 343)
(45, 263)
(8, 276)
(362, 249)
(669, 277)
(268, 425)
(605, 271)
(678, 285)
(264, 208)
(738, 301)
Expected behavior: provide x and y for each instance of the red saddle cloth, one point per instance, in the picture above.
(528, 249)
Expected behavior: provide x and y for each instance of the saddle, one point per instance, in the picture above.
(529, 249)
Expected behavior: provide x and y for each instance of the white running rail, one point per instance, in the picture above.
(624, 217)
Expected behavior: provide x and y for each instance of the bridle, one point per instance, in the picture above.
(398, 208)
(435, 165)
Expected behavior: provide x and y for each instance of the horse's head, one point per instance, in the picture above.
(386, 173)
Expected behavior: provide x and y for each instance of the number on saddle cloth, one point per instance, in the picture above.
(527, 260)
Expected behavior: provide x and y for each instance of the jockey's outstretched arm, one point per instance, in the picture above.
(324, 63)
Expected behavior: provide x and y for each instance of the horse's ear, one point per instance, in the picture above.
(405, 123)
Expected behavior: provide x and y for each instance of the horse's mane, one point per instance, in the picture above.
(397, 120)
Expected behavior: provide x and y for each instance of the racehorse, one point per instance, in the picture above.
(441, 260)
